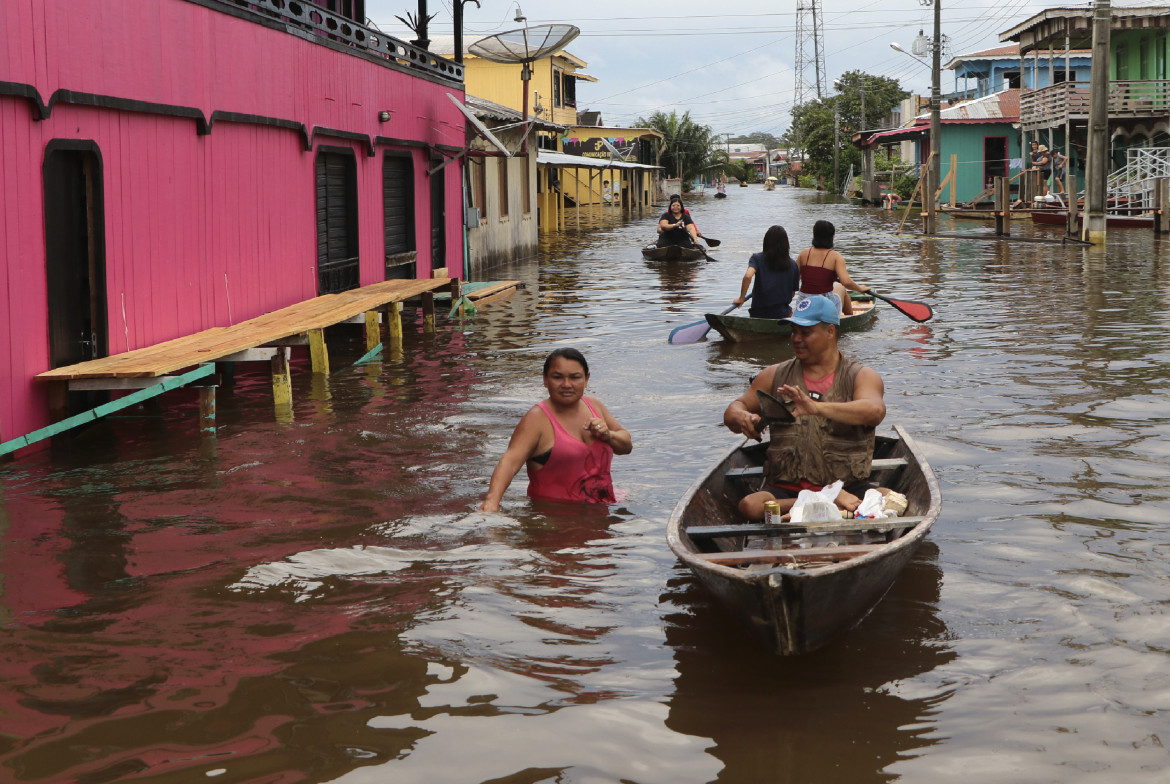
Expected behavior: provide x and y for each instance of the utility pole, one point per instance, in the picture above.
(1096, 167)
(836, 146)
(930, 200)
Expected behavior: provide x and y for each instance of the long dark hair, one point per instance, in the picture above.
(571, 354)
(777, 252)
(823, 232)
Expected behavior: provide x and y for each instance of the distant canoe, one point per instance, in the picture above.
(797, 586)
(1060, 218)
(720, 195)
(740, 329)
(673, 253)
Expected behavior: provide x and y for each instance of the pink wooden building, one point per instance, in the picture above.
(168, 166)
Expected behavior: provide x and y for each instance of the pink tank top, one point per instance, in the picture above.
(575, 471)
(819, 279)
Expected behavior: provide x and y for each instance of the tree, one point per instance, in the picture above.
(881, 94)
(813, 122)
(687, 149)
(758, 137)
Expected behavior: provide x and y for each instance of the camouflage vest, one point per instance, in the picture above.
(815, 448)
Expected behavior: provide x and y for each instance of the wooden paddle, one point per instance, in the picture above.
(714, 243)
(915, 311)
(693, 333)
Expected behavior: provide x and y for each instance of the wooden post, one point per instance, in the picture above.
(318, 352)
(282, 385)
(1003, 202)
(928, 187)
(577, 190)
(394, 322)
(1161, 203)
(207, 409)
(58, 394)
(954, 176)
(592, 199)
(373, 330)
(428, 309)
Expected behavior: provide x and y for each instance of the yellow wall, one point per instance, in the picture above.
(501, 83)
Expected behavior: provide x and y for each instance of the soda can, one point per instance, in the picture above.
(771, 513)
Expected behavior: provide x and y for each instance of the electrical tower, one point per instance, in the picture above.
(810, 53)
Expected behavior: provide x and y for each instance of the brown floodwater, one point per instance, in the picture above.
(319, 601)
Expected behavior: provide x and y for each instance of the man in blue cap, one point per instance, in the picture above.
(836, 405)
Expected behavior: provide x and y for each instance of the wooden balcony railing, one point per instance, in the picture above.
(335, 27)
(1054, 105)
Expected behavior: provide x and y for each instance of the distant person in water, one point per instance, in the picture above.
(676, 226)
(890, 200)
(776, 278)
(567, 442)
(822, 269)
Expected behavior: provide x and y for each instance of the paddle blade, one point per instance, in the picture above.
(916, 311)
(693, 333)
(714, 243)
(689, 333)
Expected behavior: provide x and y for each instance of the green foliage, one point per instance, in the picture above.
(886, 159)
(740, 170)
(806, 181)
(881, 94)
(904, 185)
(687, 147)
(814, 127)
(758, 137)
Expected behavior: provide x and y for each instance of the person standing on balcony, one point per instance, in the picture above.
(1059, 160)
(1041, 162)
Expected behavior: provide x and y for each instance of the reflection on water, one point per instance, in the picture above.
(318, 600)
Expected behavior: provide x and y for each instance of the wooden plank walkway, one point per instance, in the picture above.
(218, 342)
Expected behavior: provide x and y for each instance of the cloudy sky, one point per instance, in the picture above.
(729, 62)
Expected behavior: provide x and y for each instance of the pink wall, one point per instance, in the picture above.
(200, 231)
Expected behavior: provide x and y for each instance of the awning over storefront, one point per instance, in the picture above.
(551, 158)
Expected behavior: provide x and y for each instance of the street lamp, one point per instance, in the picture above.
(897, 47)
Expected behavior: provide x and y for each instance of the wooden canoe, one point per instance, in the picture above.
(797, 586)
(673, 253)
(987, 214)
(739, 329)
(1060, 218)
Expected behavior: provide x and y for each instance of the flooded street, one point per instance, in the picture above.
(319, 601)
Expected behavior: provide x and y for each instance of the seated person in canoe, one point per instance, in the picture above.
(676, 226)
(837, 404)
(822, 269)
(567, 442)
(776, 278)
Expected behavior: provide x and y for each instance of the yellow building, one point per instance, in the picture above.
(566, 177)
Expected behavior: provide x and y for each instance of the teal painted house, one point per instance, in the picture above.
(979, 140)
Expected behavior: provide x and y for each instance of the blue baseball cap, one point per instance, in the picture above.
(814, 310)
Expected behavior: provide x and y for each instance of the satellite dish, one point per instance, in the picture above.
(526, 44)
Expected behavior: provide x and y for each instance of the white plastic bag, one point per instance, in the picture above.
(872, 505)
(817, 506)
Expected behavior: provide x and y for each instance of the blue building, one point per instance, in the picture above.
(979, 74)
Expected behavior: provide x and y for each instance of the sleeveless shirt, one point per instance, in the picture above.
(813, 447)
(575, 471)
(819, 279)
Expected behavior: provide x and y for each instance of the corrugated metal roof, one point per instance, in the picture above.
(490, 110)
